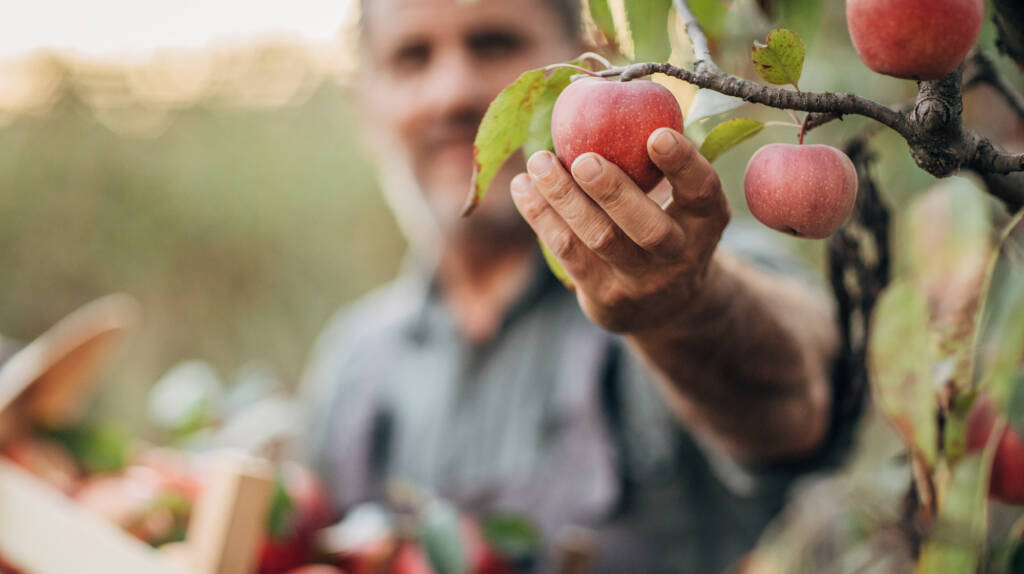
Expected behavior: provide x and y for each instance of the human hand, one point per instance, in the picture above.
(636, 265)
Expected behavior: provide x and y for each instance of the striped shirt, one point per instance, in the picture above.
(553, 419)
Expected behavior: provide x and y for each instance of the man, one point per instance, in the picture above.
(478, 376)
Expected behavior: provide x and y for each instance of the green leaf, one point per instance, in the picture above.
(554, 265)
(279, 516)
(1000, 344)
(958, 539)
(711, 15)
(900, 360)
(709, 103)
(648, 27)
(100, 447)
(521, 114)
(512, 536)
(442, 538)
(539, 137)
(781, 60)
(727, 135)
(601, 13)
(801, 16)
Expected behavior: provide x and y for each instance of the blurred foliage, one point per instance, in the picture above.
(240, 223)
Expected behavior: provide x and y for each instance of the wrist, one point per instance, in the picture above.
(706, 306)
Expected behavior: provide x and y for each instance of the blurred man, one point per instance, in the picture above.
(665, 404)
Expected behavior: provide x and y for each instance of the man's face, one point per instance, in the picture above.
(430, 69)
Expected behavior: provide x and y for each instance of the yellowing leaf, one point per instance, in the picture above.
(521, 114)
(781, 60)
(728, 134)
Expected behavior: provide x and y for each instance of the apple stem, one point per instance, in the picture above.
(595, 57)
(803, 128)
(793, 115)
(782, 125)
(580, 69)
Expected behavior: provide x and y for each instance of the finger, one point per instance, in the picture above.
(592, 225)
(639, 217)
(697, 190)
(577, 260)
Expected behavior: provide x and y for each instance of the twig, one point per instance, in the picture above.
(701, 52)
(825, 102)
(982, 70)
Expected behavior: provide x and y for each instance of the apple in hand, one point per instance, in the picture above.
(1007, 480)
(614, 119)
(803, 190)
(914, 39)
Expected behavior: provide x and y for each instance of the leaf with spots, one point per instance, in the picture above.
(520, 115)
(780, 60)
(727, 135)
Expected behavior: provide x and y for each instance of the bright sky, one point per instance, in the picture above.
(133, 28)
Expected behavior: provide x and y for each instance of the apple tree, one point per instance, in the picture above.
(937, 341)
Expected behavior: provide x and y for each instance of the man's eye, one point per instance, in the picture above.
(411, 58)
(495, 44)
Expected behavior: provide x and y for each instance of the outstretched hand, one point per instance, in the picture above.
(636, 265)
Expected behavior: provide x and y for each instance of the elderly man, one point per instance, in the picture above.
(666, 403)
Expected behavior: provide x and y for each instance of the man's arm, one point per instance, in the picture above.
(744, 357)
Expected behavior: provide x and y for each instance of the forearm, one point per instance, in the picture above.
(749, 366)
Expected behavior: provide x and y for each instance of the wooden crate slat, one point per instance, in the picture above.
(44, 532)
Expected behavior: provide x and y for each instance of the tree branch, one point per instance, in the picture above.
(939, 142)
(701, 52)
(982, 70)
(1009, 19)
(832, 104)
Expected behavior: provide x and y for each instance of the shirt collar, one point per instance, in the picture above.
(429, 302)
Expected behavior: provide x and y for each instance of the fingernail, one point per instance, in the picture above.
(587, 168)
(520, 184)
(664, 141)
(540, 164)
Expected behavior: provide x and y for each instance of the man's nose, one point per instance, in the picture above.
(455, 85)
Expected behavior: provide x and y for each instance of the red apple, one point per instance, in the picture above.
(411, 559)
(140, 501)
(614, 119)
(305, 509)
(316, 569)
(914, 39)
(803, 190)
(46, 459)
(1007, 480)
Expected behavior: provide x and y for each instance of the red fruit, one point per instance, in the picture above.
(411, 559)
(316, 569)
(312, 503)
(614, 119)
(914, 39)
(279, 556)
(1007, 480)
(47, 460)
(803, 190)
(310, 510)
(483, 559)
